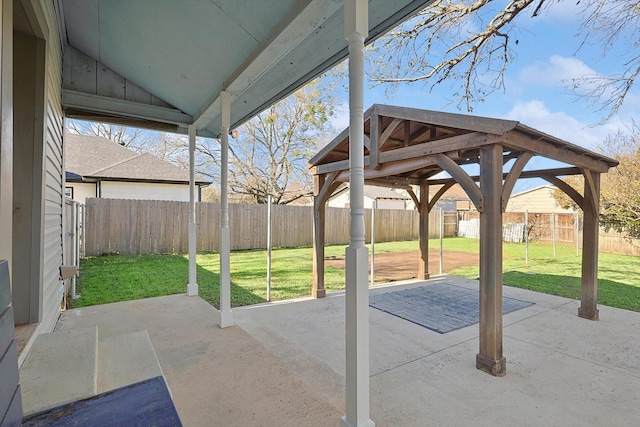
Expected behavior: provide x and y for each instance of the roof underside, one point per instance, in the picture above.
(402, 146)
(163, 64)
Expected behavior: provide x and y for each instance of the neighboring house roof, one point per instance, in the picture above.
(375, 192)
(93, 157)
(533, 190)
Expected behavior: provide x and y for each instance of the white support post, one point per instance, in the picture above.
(357, 293)
(192, 287)
(226, 317)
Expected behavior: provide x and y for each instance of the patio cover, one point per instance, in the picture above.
(163, 64)
(406, 148)
(205, 67)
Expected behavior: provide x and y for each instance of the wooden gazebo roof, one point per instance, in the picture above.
(401, 144)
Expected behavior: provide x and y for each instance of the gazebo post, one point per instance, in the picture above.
(423, 210)
(589, 282)
(317, 289)
(490, 358)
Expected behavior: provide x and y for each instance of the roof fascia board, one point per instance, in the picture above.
(121, 108)
(453, 120)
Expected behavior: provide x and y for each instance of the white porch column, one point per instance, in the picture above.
(357, 292)
(226, 317)
(192, 287)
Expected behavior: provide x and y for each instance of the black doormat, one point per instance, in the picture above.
(441, 307)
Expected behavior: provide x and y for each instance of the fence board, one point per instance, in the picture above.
(142, 226)
(151, 226)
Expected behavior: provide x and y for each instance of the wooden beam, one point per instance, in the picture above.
(590, 232)
(463, 179)
(340, 165)
(437, 118)
(384, 136)
(423, 209)
(439, 194)
(541, 173)
(415, 199)
(458, 142)
(388, 183)
(391, 169)
(374, 144)
(524, 143)
(327, 188)
(566, 188)
(396, 181)
(317, 287)
(407, 133)
(513, 176)
(590, 184)
(490, 358)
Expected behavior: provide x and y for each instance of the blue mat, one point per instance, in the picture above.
(144, 404)
(441, 307)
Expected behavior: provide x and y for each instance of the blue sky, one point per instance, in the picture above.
(547, 57)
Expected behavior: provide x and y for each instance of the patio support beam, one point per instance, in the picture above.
(589, 282)
(192, 287)
(226, 317)
(423, 210)
(490, 358)
(440, 193)
(512, 177)
(357, 254)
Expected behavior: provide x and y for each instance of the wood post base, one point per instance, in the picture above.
(318, 293)
(589, 313)
(497, 368)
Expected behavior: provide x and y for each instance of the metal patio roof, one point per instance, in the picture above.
(162, 64)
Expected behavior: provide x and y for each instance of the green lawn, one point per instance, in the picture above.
(118, 278)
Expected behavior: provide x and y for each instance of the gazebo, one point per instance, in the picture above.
(407, 148)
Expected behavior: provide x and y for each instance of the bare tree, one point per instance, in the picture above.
(446, 30)
(620, 188)
(132, 138)
(270, 153)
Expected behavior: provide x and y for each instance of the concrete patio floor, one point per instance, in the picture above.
(283, 363)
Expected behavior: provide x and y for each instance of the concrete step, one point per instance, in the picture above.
(61, 367)
(126, 359)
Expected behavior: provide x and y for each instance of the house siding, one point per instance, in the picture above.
(52, 288)
(144, 191)
(539, 200)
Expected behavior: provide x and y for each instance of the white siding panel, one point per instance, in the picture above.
(144, 191)
(82, 191)
(52, 286)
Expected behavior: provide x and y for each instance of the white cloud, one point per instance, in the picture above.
(558, 71)
(561, 125)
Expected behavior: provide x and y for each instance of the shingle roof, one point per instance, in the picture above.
(96, 157)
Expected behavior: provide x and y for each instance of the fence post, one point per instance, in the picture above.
(526, 237)
(553, 233)
(576, 232)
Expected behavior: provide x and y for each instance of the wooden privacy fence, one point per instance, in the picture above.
(544, 227)
(155, 226)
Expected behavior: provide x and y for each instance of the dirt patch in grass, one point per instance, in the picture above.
(394, 266)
